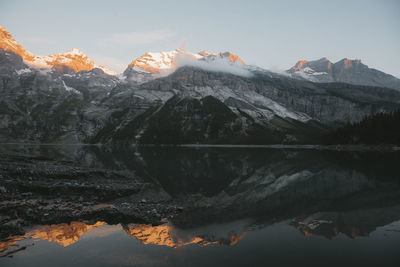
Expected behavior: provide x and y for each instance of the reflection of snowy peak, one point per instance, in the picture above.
(73, 59)
(166, 235)
(159, 61)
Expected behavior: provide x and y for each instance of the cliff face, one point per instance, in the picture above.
(300, 100)
(41, 105)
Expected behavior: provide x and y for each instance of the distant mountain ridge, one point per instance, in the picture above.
(345, 71)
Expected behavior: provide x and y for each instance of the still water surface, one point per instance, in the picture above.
(258, 207)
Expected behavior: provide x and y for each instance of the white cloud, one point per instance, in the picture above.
(215, 65)
(278, 70)
(138, 38)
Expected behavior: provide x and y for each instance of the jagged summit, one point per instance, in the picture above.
(316, 67)
(232, 57)
(73, 59)
(302, 65)
(349, 63)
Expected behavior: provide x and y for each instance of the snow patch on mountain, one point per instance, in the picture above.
(310, 71)
(23, 71)
(70, 89)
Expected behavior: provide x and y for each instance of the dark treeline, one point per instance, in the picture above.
(381, 128)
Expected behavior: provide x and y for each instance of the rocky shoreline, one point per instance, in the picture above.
(36, 190)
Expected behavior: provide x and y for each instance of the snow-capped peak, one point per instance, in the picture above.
(160, 61)
(7, 42)
(75, 52)
(73, 59)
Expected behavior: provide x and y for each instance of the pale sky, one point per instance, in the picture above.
(270, 34)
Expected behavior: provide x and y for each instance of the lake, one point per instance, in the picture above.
(241, 207)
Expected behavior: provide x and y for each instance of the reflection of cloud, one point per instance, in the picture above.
(138, 38)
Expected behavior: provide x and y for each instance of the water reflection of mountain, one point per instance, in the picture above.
(319, 192)
(168, 235)
(362, 190)
(209, 170)
(228, 184)
(64, 234)
(242, 182)
(354, 224)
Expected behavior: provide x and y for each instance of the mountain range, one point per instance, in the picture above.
(72, 60)
(181, 97)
